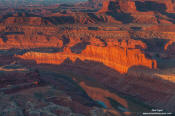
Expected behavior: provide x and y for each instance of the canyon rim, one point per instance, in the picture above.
(87, 57)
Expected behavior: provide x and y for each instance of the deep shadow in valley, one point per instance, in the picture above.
(134, 87)
(97, 76)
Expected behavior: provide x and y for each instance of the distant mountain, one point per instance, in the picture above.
(37, 2)
(94, 3)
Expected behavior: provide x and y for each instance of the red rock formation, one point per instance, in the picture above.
(129, 44)
(105, 7)
(142, 17)
(23, 20)
(168, 4)
(22, 41)
(103, 44)
(127, 6)
(117, 58)
(97, 42)
(102, 95)
(154, 34)
(170, 47)
(94, 3)
(124, 6)
(168, 44)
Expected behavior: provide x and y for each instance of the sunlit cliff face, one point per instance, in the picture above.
(120, 59)
(110, 51)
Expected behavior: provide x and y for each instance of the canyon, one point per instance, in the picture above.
(90, 58)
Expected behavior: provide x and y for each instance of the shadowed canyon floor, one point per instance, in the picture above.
(90, 58)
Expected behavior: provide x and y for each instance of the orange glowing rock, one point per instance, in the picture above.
(105, 7)
(169, 5)
(36, 83)
(168, 44)
(102, 95)
(34, 41)
(125, 6)
(120, 59)
(24, 20)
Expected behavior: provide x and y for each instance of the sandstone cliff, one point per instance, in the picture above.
(117, 58)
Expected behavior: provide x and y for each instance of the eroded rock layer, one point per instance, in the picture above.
(114, 57)
(93, 58)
